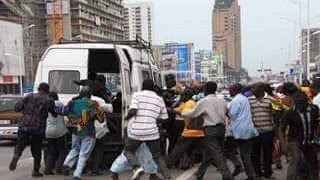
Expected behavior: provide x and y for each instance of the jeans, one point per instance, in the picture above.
(154, 146)
(183, 145)
(144, 156)
(36, 143)
(57, 152)
(264, 142)
(245, 147)
(214, 138)
(81, 149)
(230, 150)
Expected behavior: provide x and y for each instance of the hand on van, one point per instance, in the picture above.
(131, 113)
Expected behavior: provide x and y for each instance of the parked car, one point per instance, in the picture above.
(8, 128)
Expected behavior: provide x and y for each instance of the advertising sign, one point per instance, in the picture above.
(11, 49)
(182, 54)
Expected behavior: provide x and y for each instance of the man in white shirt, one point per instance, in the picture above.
(145, 110)
(214, 112)
(315, 90)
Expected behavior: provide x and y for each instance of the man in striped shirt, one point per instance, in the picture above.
(261, 110)
(145, 110)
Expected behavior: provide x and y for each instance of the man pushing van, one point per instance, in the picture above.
(145, 109)
(97, 84)
(35, 108)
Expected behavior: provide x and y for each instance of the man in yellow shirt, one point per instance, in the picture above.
(189, 137)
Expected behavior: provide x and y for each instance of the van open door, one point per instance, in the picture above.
(126, 87)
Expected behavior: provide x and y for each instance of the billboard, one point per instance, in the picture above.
(11, 49)
(182, 54)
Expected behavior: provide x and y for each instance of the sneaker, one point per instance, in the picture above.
(76, 178)
(36, 174)
(237, 171)
(47, 172)
(13, 163)
(137, 173)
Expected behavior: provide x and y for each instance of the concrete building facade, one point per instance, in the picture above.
(314, 51)
(226, 32)
(97, 19)
(138, 21)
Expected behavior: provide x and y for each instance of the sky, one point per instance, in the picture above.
(270, 28)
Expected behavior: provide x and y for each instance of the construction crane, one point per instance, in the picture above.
(56, 21)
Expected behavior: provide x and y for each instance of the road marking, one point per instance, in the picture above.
(188, 174)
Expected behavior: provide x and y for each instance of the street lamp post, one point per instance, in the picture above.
(29, 51)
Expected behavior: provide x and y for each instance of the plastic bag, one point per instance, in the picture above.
(101, 129)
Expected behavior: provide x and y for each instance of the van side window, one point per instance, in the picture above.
(61, 81)
(157, 78)
(103, 61)
(145, 74)
(127, 81)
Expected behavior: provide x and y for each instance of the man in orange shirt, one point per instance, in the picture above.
(189, 137)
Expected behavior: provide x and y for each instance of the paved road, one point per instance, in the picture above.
(23, 171)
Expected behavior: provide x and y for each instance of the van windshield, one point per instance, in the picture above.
(61, 81)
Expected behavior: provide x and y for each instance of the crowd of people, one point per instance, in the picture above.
(255, 130)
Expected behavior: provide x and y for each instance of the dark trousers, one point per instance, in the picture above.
(97, 155)
(263, 142)
(57, 152)
(245, 147)
(304, 164)
(154, 146)
(214, 140)
(183, 145)
(175, 130)
(230, 152)
(35, 141)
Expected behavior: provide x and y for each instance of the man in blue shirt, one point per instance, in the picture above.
(242, 127)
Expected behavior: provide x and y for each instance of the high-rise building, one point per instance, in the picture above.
(97, 19)
(138, 21)
(314, 51)
(226, 32)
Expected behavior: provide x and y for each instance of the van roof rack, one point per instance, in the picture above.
(138, 43)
